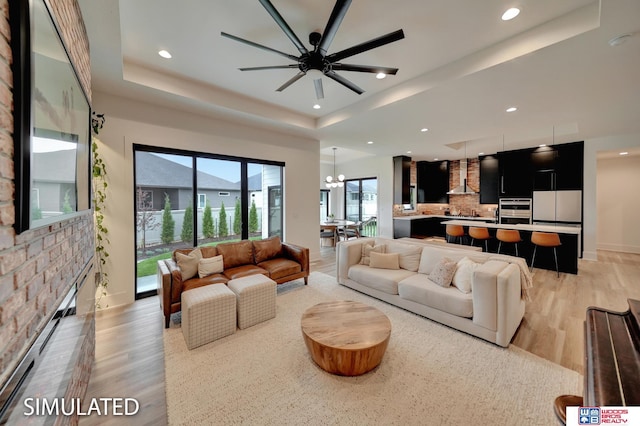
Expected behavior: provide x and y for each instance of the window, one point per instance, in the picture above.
(361, 201)
(145, 199)
(202, 201)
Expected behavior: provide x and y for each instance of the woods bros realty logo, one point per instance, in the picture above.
(74, 406)
(603, 415)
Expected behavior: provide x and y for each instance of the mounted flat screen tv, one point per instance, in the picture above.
(52, 119)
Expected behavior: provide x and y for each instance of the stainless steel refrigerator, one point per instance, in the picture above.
(557, 206)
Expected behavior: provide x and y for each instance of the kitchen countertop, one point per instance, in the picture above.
(442, 216)
(521, 227)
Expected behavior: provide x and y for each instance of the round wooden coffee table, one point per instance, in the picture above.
(344, 337)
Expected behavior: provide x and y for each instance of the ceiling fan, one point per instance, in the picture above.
(317, 58)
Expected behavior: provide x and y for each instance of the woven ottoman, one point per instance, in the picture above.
(208, 314)
(256, 298)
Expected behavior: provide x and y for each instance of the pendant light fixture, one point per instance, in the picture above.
(330, 181)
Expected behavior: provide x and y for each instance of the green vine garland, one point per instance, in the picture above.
(99, 172)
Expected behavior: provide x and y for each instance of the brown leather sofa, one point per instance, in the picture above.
(279, 261)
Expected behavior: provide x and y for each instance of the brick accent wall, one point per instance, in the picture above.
(38, 266)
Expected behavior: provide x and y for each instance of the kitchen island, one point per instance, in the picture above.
(427, 225)
(568, 252)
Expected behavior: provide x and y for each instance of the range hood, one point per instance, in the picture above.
(462, 189)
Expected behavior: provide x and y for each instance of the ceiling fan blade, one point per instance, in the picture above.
(291, 81)
(269, 67)
(364, 68)
(284, 26)
(332, 75)
(319, 90)
(259, 46)
(368, 45)
(337, 15)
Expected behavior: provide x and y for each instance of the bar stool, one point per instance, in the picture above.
(480, 234)
(508, 236)
(546, 239)
(455, 231)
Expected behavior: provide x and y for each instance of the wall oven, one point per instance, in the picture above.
(515, 210)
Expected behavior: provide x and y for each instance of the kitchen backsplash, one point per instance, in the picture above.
(466, 205)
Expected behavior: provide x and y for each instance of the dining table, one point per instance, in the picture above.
(333, 225)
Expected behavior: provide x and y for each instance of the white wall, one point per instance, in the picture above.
(129, 122)
(619, 204)
(590, 196)
(371, 167)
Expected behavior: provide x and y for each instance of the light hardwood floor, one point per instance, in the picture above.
(129, 358)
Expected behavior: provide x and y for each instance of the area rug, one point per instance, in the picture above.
(430, 375)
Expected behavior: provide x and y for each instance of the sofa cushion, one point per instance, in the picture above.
(236, 253)
(208, 251)
(443, 272)
(384, 261)
(210, 265)
(243, 271)
(420, 289)
(385, 280)
(280, 267)
(199, 282)
(188, 263)
(367, 248)
(267, 249)
(463, 277)
(409, 255)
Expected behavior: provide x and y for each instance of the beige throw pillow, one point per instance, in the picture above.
(367, 249)
(409, 256)
(442, 273)
(384, 261)
(210, 265)
(463, 277)
(188, 263)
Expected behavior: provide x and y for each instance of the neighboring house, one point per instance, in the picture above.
(157, 176)
(54, 177)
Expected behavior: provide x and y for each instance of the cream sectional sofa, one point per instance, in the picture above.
(492, 310)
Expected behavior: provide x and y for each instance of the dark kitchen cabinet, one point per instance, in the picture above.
(569, 166)
(433, 181)
(516, 173)
(489, 179)
(401, 180)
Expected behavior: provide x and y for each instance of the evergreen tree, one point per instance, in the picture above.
(66, 206)
(187, 225)
(237, 219)
(168, 224)
(223, 228)
(253, 217)
(207, 221)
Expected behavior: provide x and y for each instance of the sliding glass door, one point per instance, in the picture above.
(186, 199)
(361, 202)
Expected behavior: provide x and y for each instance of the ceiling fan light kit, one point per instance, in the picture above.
(317, 60)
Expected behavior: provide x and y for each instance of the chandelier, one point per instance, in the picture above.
(330, 181)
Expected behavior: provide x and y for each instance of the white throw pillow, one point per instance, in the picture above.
(443, 272)
(463, 277)
(409, 255)
(188, 263)
(384, 261)
(210, 265)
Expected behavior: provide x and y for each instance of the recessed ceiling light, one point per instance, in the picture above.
(370, 142)
(435, 159)
(624, 153)
(317, 106)
(618, 40)
(164, 54)
(481, 153)
(408, 152)
(511, 109)
(542, 145)
(380, 75)
(424, 129)
(510, 14)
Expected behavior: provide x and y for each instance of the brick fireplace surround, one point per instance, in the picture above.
(38, 267)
